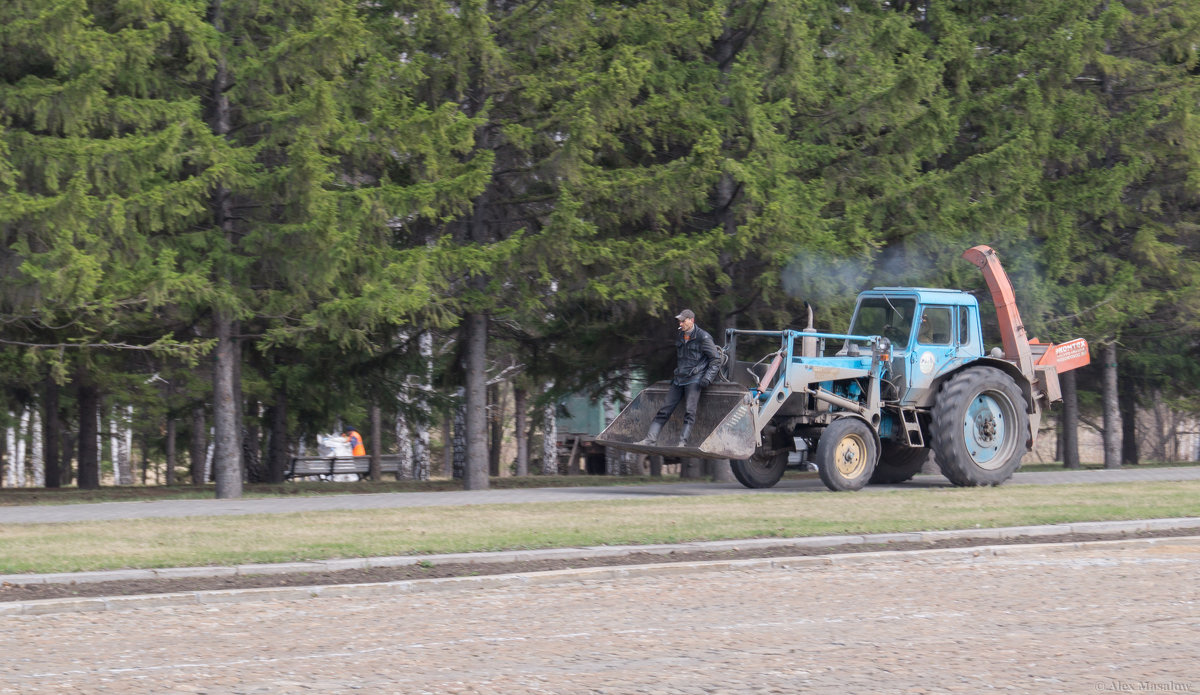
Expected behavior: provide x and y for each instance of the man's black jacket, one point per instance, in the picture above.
(696, 358)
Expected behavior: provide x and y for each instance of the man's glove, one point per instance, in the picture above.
(705, 383)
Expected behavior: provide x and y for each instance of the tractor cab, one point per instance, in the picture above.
(932, 333)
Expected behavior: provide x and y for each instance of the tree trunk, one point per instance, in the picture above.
(52, 433)
(23, 448)
(404, 447)
(404, 431)
(520, 423)
(448, 443)
(550, 437)
(128, 434)
(249, 446)
(1129, 442)
(100, 439)
(254, 468)
(277, 456)
(376, 450)
(172, 427)
(209, 475)
(1112, 409)
(146, 462)
(656, 464)
(1176, 426)
(495, 427)
(227, 450)
(476, 471)
(37, 450)
(122, 445)
(722, 472)
(459, 464)
(16, 456)
(692, 469)
(1070, 421)
(88, 399)
(420, 445)
(67, 449)
(1162, 430)
(198, 445)
(530, 440)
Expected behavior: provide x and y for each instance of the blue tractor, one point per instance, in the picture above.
(910, 377)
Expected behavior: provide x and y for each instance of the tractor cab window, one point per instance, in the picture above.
(890, 317)
(935, 326)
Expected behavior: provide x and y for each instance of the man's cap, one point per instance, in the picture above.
(348, 429)
(686, 314)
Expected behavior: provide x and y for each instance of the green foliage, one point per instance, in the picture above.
(106, 158)
(578, 170)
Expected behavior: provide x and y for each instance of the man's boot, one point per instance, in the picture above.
(652, 435)
(683, 436)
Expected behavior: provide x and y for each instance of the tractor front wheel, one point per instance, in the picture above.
(763, 469)
(846, 454)
(979, 427)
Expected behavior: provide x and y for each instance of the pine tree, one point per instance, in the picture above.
(96, 157)
(1072, 146)
(103, 162)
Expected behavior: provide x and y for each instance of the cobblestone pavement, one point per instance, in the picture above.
(1112, 617)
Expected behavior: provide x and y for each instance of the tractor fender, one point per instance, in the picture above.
(865, 421)
(1003, 365)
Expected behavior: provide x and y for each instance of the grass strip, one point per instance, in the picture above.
(310, 488)
(227, 540)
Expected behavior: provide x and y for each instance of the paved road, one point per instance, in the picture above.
(1121, 617)
(184, 508)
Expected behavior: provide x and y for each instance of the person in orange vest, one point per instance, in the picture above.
(356, 442)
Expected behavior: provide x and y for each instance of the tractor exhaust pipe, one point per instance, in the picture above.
(808, 346)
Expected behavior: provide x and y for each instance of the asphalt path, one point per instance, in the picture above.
(40, 514)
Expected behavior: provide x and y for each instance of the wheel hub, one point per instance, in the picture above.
(985, 427)
(850, 456)
(985, 431)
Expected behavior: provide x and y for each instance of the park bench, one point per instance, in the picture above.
(327, 466)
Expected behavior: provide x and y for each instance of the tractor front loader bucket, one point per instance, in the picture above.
(724, 427)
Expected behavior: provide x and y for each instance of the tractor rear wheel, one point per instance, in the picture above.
(846, 454)
(763, 469)
(979, 427)
(898, 464)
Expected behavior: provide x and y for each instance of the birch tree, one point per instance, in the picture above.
(550, 434)
(14, 474)
(404, 439)
(420, 448)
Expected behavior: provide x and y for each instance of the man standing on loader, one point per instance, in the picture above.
(697, 360)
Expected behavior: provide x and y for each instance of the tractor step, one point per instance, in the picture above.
(912, 427)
